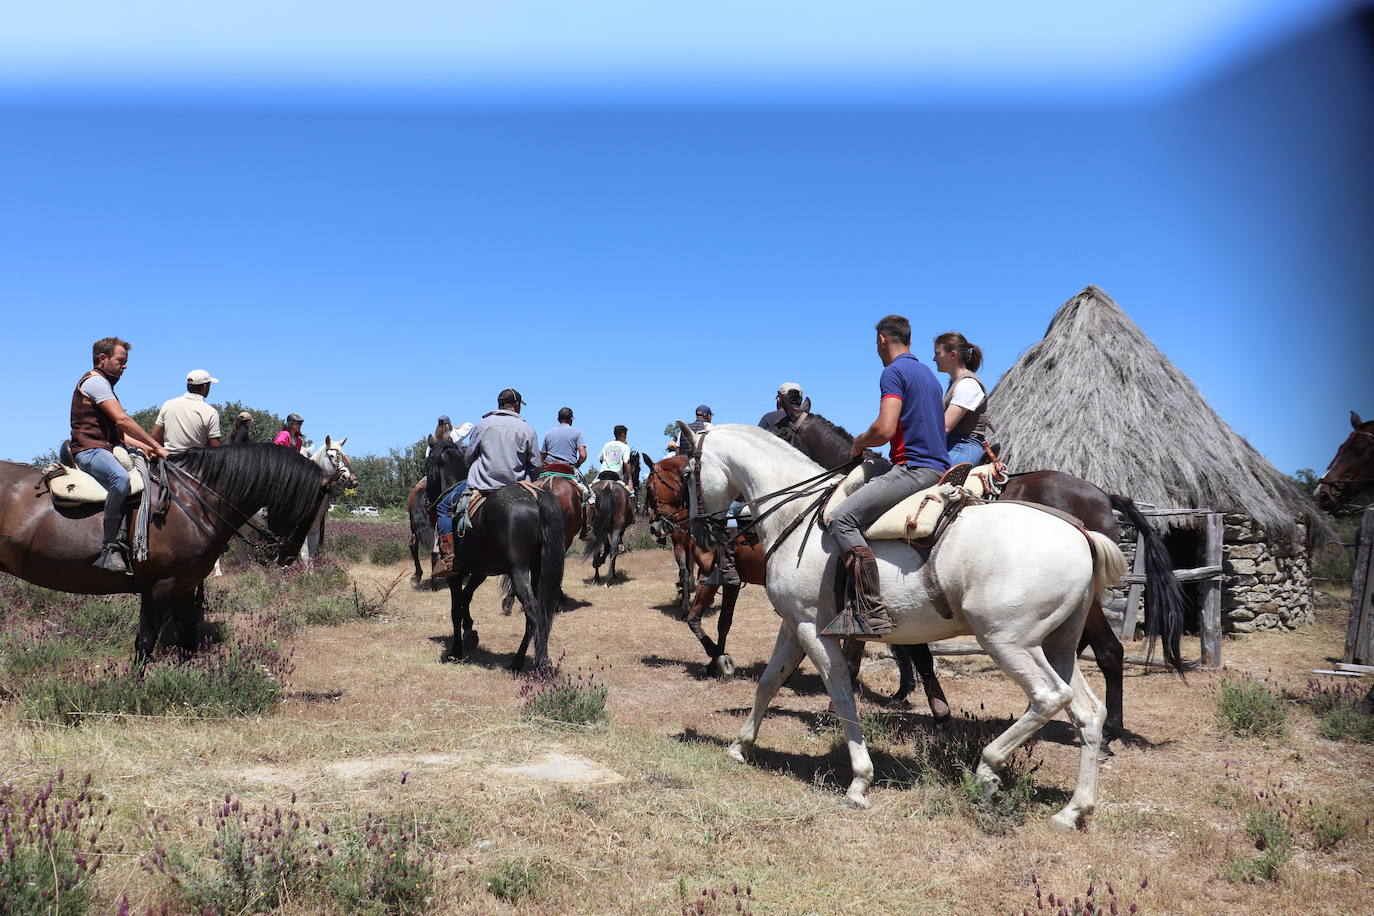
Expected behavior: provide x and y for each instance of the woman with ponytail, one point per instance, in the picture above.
(966, 398)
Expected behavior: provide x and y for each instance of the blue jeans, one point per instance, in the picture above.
(101, 464)
(968, 450)
(444, 508)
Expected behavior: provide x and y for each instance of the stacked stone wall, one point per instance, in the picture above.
(1265, 585)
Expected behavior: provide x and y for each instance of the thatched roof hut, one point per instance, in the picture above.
(1097, 399)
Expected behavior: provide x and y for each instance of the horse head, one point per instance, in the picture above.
(665, 496)
(444, 467)
(1352, 470)
(333, 461)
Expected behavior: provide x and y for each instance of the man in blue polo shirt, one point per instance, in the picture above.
(910, 418)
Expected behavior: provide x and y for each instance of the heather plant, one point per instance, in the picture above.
(711, 902)
(1247, 707)
(51, 847)
(385, 553)
(1337, 706)
(47, 630)
(550, 695)
(261, 859)
(1097, 900)
(1275, 821)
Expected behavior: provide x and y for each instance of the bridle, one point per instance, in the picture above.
(339, 462)
(680, 519)
(1341, 486)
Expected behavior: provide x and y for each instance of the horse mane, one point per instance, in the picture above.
(833, 428)
(259, 474)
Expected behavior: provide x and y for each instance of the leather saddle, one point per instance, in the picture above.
(71, 487)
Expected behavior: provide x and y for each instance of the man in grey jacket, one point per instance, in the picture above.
(502, 450)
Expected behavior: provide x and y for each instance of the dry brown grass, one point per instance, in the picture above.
(684, 816)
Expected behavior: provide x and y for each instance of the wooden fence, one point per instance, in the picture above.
(1209, 574)
(1359, 637)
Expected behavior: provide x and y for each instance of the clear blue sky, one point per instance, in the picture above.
(371, 221)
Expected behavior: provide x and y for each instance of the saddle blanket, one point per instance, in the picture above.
(72, 485)
(914, 518)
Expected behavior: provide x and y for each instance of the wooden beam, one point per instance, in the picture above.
(1210, 622)
(1359, 636)
(1161, 512)
(1182, 575)
(1134, 593)
(1358, 669)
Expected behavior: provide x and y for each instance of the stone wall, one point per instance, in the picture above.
(1265, 586)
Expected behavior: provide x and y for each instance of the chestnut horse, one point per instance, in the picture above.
(613, 513)
(422, 521)
(1352, 470)
(211, 492)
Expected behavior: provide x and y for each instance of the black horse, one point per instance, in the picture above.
(1166, 604)
(519, 533)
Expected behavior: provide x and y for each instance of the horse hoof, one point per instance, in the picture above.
(856, 799)
(736, 752)
(470, 640)
(724, 665)
(448, 658)
(1066, 821)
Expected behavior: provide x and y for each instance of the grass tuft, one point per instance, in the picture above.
(550, 695)
(513, 880)
(1247, 707)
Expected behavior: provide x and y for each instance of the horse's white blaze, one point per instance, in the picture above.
(1019, 580)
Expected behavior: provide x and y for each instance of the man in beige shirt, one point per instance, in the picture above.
(188, 421)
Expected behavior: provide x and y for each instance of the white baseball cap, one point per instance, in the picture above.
(789, 386)
(200, 377)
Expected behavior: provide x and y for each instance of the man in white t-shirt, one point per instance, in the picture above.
(614, 455)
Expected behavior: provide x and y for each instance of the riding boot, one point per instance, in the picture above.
(443, 564)
(111, 557)
(724, 572)
(864, 615)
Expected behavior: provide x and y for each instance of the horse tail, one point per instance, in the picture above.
(1109, 564)
(601, 522)
(551, 552)
(1167, 605)
(421, 531)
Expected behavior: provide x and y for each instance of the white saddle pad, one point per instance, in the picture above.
(914, 518)
(76, 486)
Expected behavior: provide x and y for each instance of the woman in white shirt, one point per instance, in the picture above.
(966, 399)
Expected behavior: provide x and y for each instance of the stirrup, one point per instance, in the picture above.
(849, 625)
(113, 559)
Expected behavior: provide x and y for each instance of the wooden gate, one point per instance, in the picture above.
(1359, 638)
(1209, 574)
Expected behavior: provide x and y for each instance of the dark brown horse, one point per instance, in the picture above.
(1166, 605)
(1352, 470)
(569, 497)
(665, 501)
(421, 514)
(613, 513)
(212, 491)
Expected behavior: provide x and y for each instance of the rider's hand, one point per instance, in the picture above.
(161, 451)
(856, 449)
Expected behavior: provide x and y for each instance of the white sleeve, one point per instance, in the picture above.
(98, 389)
(967, 394)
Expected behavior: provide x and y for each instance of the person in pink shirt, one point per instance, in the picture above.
(290, 435)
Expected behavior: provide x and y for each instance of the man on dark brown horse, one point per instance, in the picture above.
(99, 424)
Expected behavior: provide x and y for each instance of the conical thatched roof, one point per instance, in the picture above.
(1097, 399)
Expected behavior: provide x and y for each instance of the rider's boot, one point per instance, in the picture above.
(864, 615)
(443, 563)
(111, 557)
(724, 572)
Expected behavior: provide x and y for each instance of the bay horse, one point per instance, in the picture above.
(665, 501)
(420, 512)
(517, 533)
(1019, 580)
(1166, 603)
(211, 491)
(613, 513)
(1352, 470)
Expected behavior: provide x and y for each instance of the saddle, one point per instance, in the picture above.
(923, 516)
(71, 487)
(470, 503)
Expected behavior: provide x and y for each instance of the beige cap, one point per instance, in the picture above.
(790, 386)
(200, 377)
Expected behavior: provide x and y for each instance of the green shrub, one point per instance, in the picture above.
(1247, 707)
(1272, 839)
(515, 879)
(348, 545)
(552, 696)
(385, 553)
(1347, 721)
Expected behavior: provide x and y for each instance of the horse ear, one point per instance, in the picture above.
(686, 434)
(1355, 420)
(327, 443)
(649, 461)
(342, 441)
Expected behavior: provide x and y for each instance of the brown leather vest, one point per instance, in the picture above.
(975, 422)
(91, 426)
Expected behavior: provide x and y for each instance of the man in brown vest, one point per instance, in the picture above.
(99, 423)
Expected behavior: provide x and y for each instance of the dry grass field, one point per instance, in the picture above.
(643, 813)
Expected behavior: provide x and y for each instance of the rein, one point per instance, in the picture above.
(270, 540)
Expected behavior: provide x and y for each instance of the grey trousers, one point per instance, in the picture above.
(865, 505)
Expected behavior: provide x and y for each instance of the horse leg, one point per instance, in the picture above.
(460, 591)
(1087, 714)
(151, 615)
(520, 585)
(1047, 691)
(418, 578)
(906, 675)
(787, 654)
(1110, 658)
(615, 536)
(724, 663)
(832, 661)
(187, 614)
(935, 694)
(701, 600)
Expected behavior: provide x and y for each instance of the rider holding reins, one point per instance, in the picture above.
(99, 423)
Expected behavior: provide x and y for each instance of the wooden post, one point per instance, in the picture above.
(1210, 623)
(1133, 594)
(1359, 638)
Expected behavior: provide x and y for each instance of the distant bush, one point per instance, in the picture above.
(385, 553)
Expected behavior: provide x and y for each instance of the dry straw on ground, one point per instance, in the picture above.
(371, 705)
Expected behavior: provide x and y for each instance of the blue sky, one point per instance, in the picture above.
(372, 221)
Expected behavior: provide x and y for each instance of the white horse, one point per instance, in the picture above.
(331, 460)
(1018, 579)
